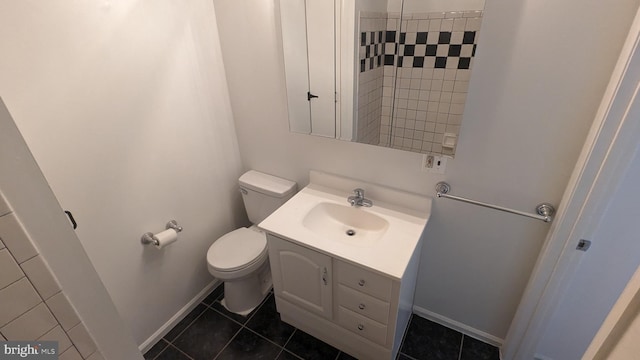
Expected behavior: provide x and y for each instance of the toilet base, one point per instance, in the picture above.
(243, 296)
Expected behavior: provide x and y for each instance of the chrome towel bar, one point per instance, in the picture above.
(544, 211)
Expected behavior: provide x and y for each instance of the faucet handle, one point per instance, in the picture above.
(359, 192)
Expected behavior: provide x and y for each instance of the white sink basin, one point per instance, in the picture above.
(345, 223)
(384, 237)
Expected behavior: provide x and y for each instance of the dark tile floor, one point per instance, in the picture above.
(211, 332)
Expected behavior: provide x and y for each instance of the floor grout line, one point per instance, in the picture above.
(461, 343)
(410, 357)
(291, 353)
(227, 344)
(280, 353)
(184, 353)
(177, 348)
(167, 344)
(263, 337)
(289, 339)
(294, 354)
(404, 336)
(186, 327)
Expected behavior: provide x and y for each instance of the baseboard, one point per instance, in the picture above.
(175, 319)
(452, 324)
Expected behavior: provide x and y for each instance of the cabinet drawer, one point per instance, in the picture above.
(363, 304)
(364, 280)
(362, 326)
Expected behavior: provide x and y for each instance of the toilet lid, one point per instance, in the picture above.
(237, 249)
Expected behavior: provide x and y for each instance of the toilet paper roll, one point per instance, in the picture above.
(165, 238)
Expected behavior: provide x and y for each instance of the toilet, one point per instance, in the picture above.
(240, 257)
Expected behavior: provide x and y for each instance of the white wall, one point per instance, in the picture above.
(125, 107)
(602, 275)
(532, 99)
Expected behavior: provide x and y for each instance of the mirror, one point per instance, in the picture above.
(392, 73)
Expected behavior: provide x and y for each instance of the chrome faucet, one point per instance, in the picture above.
(358, 199)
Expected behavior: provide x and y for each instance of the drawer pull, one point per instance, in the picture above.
(324, 276)
(361, 282)
(360, 327)
(361, 306)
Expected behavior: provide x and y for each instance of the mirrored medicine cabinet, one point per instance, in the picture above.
(392, 73)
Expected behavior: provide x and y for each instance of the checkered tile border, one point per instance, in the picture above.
(371, 49)
(441, 48)
(438, 49)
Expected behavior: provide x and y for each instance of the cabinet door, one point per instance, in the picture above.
(301, 276)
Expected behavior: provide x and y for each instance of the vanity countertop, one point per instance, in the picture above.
(387, 254)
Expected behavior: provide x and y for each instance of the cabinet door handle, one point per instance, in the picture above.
(73, 221)
(361, 306)
(360, 327)
(324, 276)
(361, 282)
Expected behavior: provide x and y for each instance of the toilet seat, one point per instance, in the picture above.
(237, 250)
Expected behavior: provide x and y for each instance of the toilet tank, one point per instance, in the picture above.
(263, 194)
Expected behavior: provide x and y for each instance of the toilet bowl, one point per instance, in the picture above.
(240, 257)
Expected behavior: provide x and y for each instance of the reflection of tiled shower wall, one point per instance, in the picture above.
(372, 41)
(434, 58)
(434, 55)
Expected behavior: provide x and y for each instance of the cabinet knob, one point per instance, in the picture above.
(360, 327)
(361, 282)
(361, 306)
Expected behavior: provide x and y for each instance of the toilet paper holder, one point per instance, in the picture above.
(148, 237)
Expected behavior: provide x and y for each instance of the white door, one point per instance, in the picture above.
(308, 41)
(294, 45)
(322, 80)
(301, 276)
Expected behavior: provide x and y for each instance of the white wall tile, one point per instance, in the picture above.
(447, 25)
(82, 340)
(30, 325)
(70, 354)
(16, 299)
(16, 239)
(63, 311)
(9, 270)
(4, 206)
(57, 334)
(41, 276)
(473, 24)
(459, 24)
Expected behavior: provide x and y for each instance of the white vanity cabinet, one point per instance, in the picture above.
(356, 309)
(301, 276)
